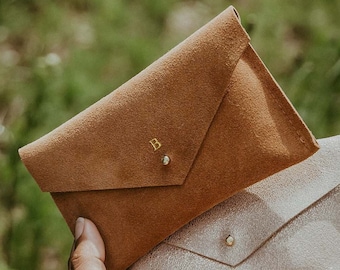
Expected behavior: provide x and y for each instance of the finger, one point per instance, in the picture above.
(90, 250)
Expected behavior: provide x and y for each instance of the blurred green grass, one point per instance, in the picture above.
(58, 57)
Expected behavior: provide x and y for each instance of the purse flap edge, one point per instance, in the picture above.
(112, 145)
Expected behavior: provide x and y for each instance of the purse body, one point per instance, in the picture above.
(210, 105)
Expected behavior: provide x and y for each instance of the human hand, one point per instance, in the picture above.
(88, 251)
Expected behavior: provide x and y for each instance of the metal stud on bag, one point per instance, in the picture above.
(230, 241)
(166, 160)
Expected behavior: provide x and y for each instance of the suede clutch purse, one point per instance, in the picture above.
(289, 221)
(203, 122)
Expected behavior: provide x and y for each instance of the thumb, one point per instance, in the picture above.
(89, 250)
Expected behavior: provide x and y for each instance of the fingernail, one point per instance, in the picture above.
(80, 224)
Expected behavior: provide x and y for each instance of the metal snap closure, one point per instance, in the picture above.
(230, 240)
(166, 160)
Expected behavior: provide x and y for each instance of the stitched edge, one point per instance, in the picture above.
(278, 99)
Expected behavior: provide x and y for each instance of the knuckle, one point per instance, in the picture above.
(81, 262)
(76, 260)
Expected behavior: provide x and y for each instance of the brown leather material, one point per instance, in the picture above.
(289, 221)
(174, 100)
(209, 104)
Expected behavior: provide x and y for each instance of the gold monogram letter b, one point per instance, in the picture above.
(155, 144)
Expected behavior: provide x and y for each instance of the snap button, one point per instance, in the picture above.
(166, 160)
(230, 240)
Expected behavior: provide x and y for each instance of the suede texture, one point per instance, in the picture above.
(217, 113)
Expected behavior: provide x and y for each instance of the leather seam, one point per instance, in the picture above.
(300, 136)
(275, 96)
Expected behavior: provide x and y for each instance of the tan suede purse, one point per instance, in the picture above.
(289, 221)
(203, 122)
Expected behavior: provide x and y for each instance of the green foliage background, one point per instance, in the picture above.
(58, 57)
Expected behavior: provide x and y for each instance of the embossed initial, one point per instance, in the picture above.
(155, 144)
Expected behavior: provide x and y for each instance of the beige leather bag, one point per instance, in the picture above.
(289, 221)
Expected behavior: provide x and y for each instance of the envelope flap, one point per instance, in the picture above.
(254, 215)
(166, 110)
